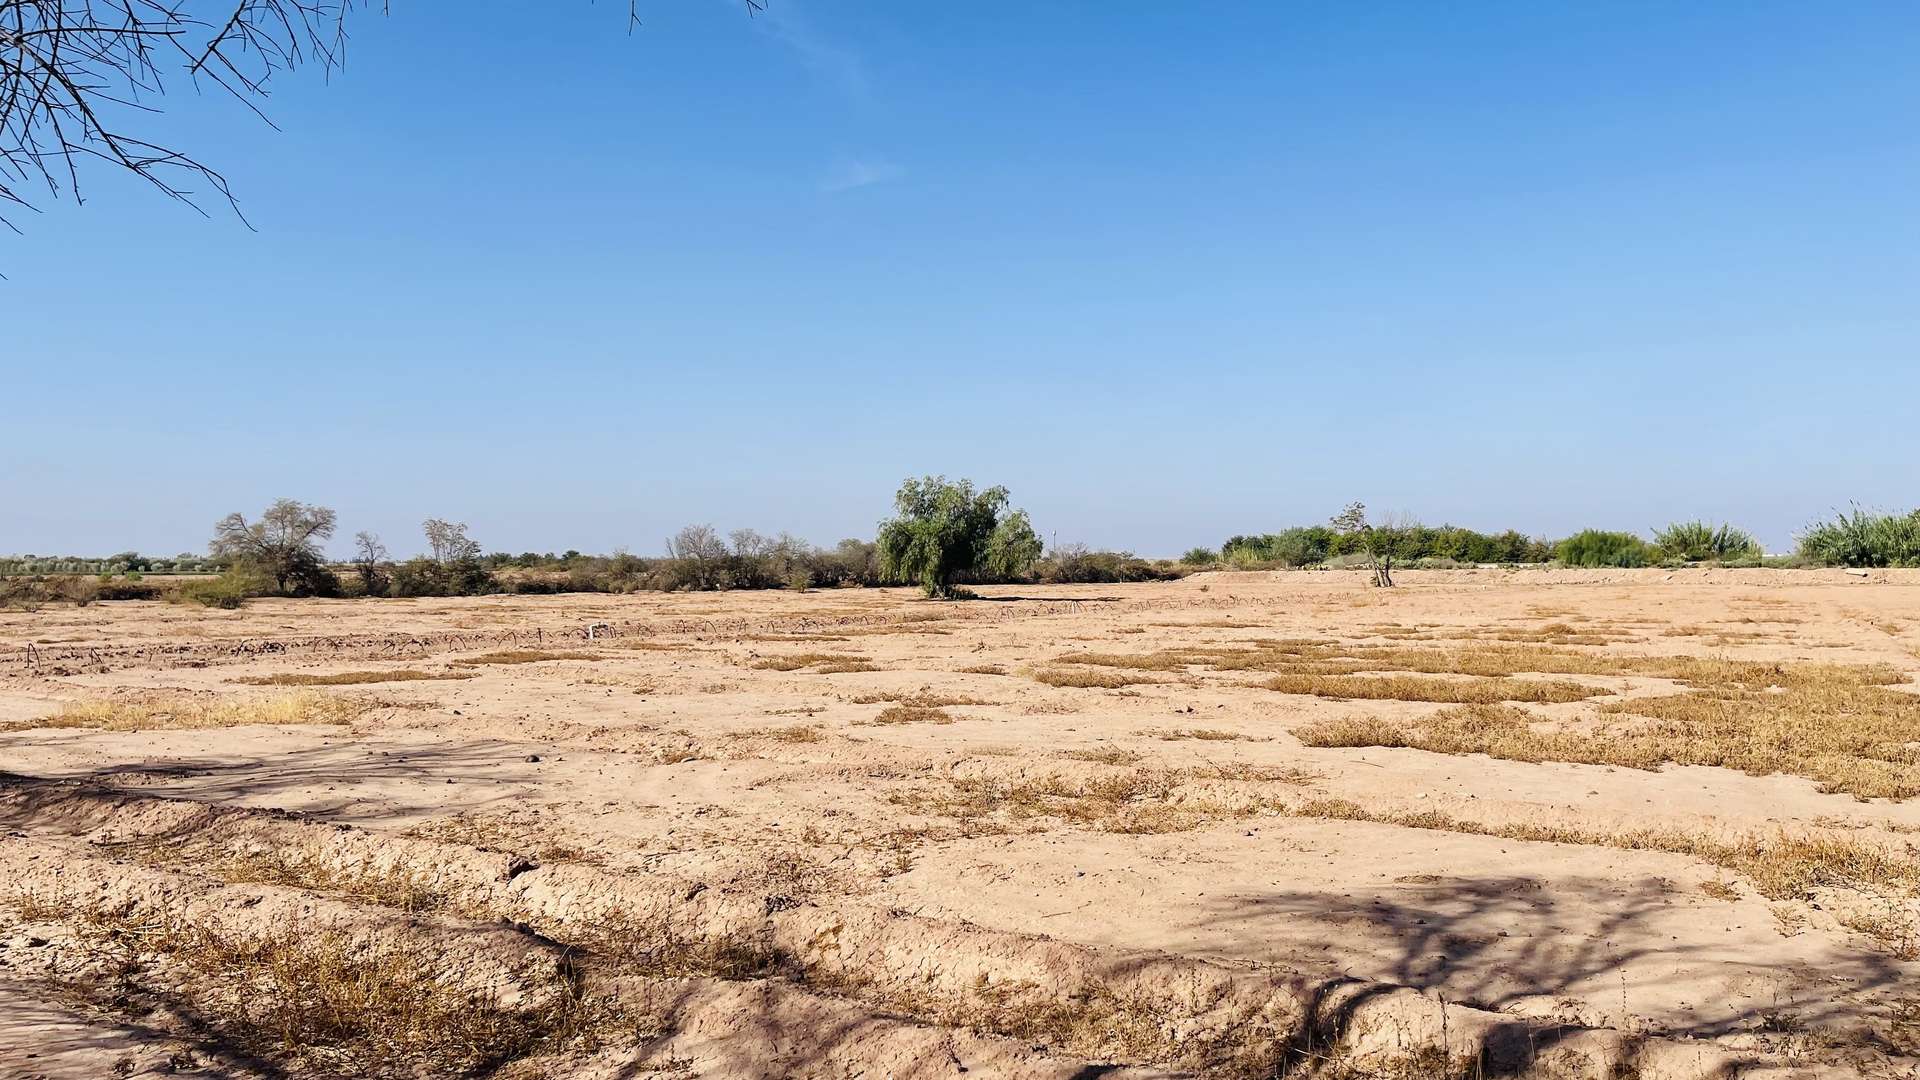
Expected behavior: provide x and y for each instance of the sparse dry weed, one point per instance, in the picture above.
(192, 714)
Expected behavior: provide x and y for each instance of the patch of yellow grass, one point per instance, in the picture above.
(190, 714)
(1200, 734)
(797, 733)
(912, 714)
(351, 678)
(528, 656)
(824, 663)
(1098, 680)
(1105, 755)
(1134, 801)
(923, 699)
(1862, 739)
(1427, 688)
(983, 669)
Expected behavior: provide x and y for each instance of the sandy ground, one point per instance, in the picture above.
(666, 754)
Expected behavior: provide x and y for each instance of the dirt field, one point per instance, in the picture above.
(1543, 823)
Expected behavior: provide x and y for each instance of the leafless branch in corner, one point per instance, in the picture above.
(76, 76)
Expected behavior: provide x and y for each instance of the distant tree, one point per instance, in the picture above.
(448, 543)
(1376, 541)
(369, 561)
(700, 557)
(945, 530)
(284, 545)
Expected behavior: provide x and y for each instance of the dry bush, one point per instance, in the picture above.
(1097, 680)
(823, 663)
(189, 714)
(923, 699)
(361, 1007)
(1136, 801)
(983, 669)
(797, 733)
(350, 678)
(911, 714)
(1246, 772)
(1720, 890)
(1201, 734)
(396, 887)
(528, 656)
(1105, 755)
(501, 833)
(1426, 688)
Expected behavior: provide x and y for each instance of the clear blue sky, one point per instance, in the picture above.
(1168, 271)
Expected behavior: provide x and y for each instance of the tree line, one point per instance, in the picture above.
(943, 536)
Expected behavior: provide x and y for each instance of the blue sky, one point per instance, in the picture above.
(1169, 272)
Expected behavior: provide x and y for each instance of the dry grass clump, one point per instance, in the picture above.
(193, 714)
(1096, 680)
(1136, 801)
(351, 678)
(796, 733)
(923, 699)
(983, 669)
(500, 833)
(1201, 734)
(349, 1004)
(528, 656)
(656, 945)
(842, 667)
(822, 663)
(911, 714)
(1246, 772)
(1105, 755)
(1426, 688)
(1845, 734)
(1170, 660)
(1720, 890)
(398, 887)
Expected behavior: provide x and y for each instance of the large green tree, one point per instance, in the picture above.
(284, 543)
(943, 530)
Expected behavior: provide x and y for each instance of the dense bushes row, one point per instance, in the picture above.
(1447, 545)
(127, 562)
(1861, 538)
(1313, 545)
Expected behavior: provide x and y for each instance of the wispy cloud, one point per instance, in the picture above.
(849, 173)
(829, 59)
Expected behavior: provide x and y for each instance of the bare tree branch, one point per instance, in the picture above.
(74, 73)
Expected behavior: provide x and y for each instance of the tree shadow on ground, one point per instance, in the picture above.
(1500, 942)
(461, 773)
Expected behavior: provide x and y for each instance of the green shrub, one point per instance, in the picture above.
(946, 531)
(1073, 564)
(422, 576)
(1598, 548)
(1861, 538)
(1697, 541)
(229, 590)
(1200, 557)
